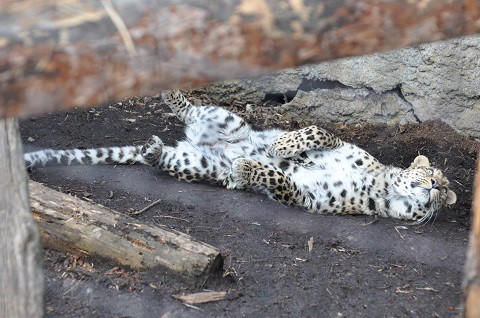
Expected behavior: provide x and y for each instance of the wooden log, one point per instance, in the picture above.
(79, 53)
(93, 231)
(21, 270)
(471, 281)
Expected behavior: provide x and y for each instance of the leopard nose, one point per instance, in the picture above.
(435, 184)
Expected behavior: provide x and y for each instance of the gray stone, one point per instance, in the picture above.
(350, 105)
(439, 80)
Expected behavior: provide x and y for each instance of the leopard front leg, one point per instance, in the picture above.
(253, 174)
(152, 150)
(296, 142)
(182, 162)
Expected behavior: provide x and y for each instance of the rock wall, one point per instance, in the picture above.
(440, 80)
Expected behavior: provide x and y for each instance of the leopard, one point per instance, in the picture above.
(309, 168)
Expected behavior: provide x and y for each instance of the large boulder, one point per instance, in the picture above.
(439, 80)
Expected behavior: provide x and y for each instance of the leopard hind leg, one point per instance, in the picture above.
(266, 178)
(189, 113)
(178, 103)
(206, 125)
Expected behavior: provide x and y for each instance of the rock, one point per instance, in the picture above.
(439, 80)
(350, 105)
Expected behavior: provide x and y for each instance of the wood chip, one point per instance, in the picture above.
(205, 297)
(310, 244)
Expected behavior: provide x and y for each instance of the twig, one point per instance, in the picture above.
(145, 208)
(171, 217)
(459, 183)
(397, 228)
(193, 307)
(205, 280)
(371, 222)
(427, 288)
(121, 27)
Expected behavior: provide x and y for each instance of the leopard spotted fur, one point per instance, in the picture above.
(310, 168)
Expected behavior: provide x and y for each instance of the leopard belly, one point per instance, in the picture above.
(334, 180)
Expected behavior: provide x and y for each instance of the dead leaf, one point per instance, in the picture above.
(205, 297)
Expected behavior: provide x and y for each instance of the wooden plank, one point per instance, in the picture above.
(59, 54)
(471, 281)
(21, 274)
(89, 230)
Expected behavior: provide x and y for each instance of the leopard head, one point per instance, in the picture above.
(420, 191)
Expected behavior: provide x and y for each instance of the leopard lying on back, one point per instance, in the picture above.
(310, 168)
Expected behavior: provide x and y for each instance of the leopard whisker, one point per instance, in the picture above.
(435, 218)
(423, 220)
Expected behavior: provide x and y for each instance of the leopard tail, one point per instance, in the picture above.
(107, 155)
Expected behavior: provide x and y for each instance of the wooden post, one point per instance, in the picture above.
(21, 270)
(471, 281)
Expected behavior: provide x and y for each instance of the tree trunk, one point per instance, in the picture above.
(21, 270)
(90, 230)
(471, 281)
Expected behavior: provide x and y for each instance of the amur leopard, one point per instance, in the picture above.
(310, 167)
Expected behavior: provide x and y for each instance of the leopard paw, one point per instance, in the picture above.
(282, 148)
(241, 171)
(152, 150)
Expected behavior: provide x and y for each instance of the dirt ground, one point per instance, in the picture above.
(359, 266)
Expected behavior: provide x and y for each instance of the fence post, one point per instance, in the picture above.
(21, 264)
(471, 280)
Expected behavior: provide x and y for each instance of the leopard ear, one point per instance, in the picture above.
(420, 161)
(451, 197)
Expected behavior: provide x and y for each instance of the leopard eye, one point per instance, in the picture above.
(429, 170)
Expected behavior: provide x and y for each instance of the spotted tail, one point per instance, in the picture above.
(108, 155)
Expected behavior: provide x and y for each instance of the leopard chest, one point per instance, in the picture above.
(338, 185)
